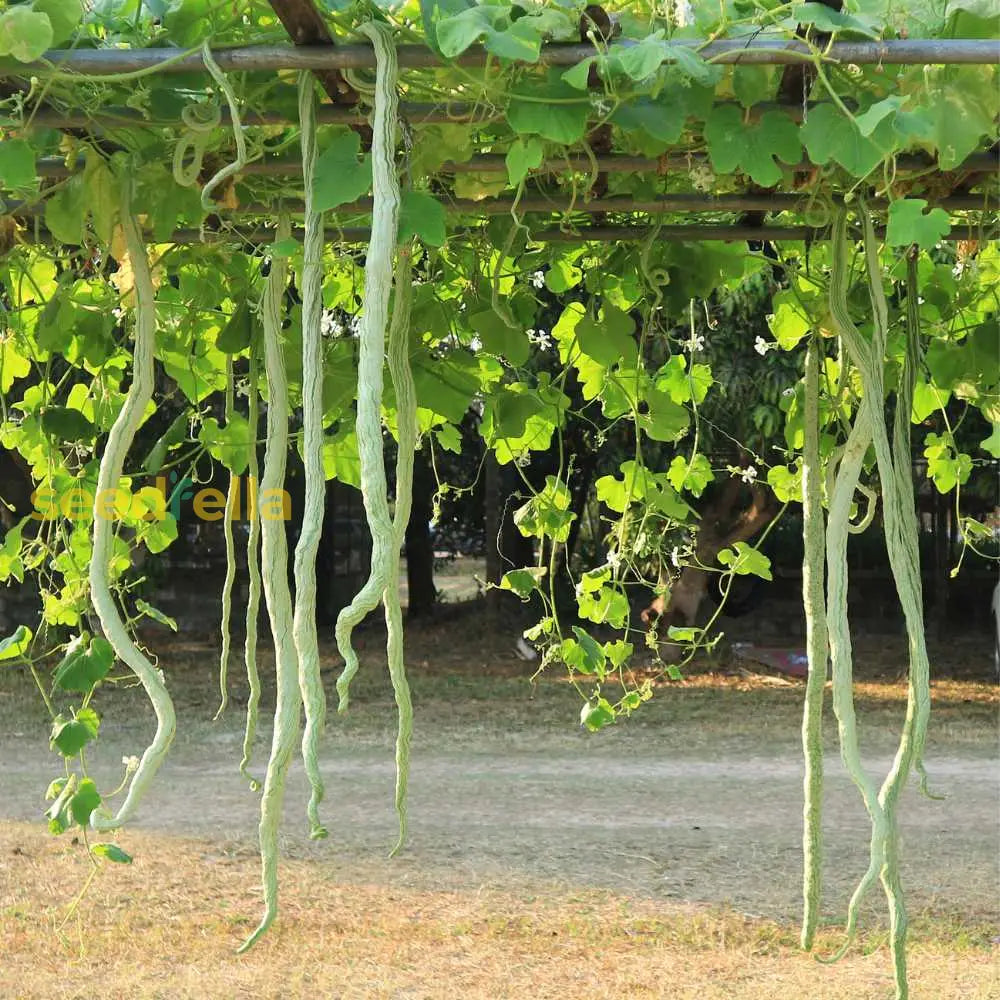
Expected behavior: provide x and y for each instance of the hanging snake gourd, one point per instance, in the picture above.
(274, 560)
(304, 621)
(119, 440)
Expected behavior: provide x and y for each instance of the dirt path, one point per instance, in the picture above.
(651, 810)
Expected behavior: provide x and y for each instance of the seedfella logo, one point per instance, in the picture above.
(182, 498)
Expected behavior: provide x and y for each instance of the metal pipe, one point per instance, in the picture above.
(261, 236)
(416, 113)
(536, 204)
(492, 163)
(756, 49)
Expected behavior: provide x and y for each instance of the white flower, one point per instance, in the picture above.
(329, 325)
(761, 346)
(117, 312)
(243, 388)
(355, 325)
(538, 279)
(540, 338)
(696, 342)
(614, 560)
(683, 13)
(131, 764)
(749, 474)
(675, 557)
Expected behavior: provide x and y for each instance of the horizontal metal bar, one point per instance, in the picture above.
(757, 49)
(540, 204)
(492, 163)
(261, 236)
(416, 113)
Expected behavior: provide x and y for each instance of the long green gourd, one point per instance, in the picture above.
(902, 549)
(227, 533)
(274, 560)
(304, 622)
(119, 440)
(378, 285)
(817, 646)
(841, 498)
(253, 573)
(387, 533)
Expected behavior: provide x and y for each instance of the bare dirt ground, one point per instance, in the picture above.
(522, 826)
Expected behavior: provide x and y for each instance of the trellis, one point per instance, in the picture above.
(616, 219)
(327, 61)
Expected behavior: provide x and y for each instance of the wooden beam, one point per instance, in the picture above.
(305, 26)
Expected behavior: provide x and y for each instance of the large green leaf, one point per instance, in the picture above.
(341, 177)
(25, 34)
(753, 147)
(553, 110)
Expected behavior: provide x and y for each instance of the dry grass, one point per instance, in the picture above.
(168, 925)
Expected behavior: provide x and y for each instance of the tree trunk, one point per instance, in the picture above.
(726, 520)
(419, 543)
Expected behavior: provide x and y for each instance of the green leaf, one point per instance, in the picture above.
(972, 19)
(661, 119)
(86, 799)
(927, 399)
(521, 42)
(455, 34)
(229, 445)
(596, 715)
(908, 223)
(111, 852)
(789, 322)
(63, 15)
(752, 147)
(693, 65)
(578, 77)
(340, 176)
(158, 616)
(25, 34)
(746, 561)
(547, 514)
(523, 156)
(962, 102)
(829, 21)
(523, 582)
(664, 420)
(877, 113)
(500, 339)
(67, 424)
(583, 653)
(990, 444)
(70, 736)
(553, 110)
(58, 814)
(84, 664)
(830, 135)
(607, 605)
(66, 212)
(16, 644)
(946, 468)
(637, 60)
(610, 341)
(237, 334)
(102, 196)
(692, 474)
(421, 214)
(17, 164)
